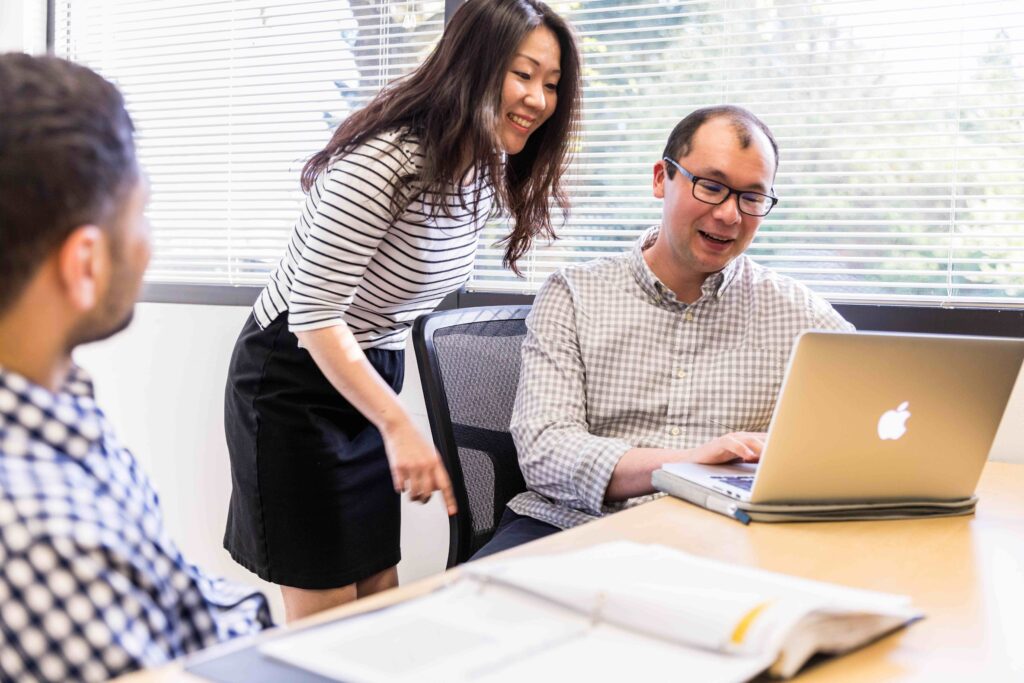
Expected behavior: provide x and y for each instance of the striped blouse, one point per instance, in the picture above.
(349, 260)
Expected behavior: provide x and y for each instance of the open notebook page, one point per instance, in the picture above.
(594, 610)
(489, 635)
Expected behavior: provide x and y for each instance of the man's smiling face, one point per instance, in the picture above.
(703, 238)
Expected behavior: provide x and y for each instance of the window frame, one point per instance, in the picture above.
(925, 318)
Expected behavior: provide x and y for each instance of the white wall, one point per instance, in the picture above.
(161, 382)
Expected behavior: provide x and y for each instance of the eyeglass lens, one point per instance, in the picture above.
(751, 203)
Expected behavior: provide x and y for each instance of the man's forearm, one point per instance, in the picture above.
(632, 475)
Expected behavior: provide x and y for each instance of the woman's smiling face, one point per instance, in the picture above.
(530, 91)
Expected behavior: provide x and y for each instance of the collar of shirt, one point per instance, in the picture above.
(68, 421)
(715, 285)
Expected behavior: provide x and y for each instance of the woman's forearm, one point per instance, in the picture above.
(337, 354)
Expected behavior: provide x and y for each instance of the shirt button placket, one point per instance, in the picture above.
(689, 342)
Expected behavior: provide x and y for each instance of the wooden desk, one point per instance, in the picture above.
(966, 573)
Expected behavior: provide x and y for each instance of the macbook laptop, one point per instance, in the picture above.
(868, 425)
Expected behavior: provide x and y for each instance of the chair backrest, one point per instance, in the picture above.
(469, 367)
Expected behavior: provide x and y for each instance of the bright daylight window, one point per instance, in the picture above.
(901, 127)
(229, 98)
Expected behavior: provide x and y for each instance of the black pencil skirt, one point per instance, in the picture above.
(312, 500)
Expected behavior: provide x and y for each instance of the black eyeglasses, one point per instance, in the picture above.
(713, 192)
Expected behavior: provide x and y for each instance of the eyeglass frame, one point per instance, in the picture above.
(731, 191)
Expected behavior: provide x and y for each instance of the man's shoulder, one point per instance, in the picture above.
(54, 496)
(604, 270)
(581, 285)
(771, 281)
(775, 291)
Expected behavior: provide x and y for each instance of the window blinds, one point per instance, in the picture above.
(229, 98)
(901, 128)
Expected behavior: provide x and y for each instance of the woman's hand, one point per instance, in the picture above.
(416, 466)
(746, 446)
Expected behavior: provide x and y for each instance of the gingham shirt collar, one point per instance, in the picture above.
(714, 286)
(92, 585)
(68, 421)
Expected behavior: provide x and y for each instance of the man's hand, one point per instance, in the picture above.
(632, 475)
(416, 466)
(746, 446)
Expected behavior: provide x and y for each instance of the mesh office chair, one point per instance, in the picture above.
(469, 367)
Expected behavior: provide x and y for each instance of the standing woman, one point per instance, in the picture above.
(320, 445)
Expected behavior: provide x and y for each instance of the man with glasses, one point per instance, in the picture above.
(672, 352)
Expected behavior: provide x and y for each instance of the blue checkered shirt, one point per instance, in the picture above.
(91, 585)
(612, 360)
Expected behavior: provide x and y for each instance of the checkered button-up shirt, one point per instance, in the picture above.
(612, 361)
(91, 585)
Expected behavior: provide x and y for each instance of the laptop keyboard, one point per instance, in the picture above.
(740, 481)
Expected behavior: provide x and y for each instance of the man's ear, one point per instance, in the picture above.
(659, 179)
(83, 265)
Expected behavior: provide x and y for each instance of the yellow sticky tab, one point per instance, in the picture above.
(740, 632)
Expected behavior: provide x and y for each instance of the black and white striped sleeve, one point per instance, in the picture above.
(348, 216)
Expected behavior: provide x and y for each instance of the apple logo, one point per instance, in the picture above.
(893, 423)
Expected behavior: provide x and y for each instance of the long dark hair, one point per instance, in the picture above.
(452, 104)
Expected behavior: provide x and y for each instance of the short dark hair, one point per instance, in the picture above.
(67, 158)
(744, 122)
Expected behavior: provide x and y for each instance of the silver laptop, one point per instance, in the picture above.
(872, 418)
